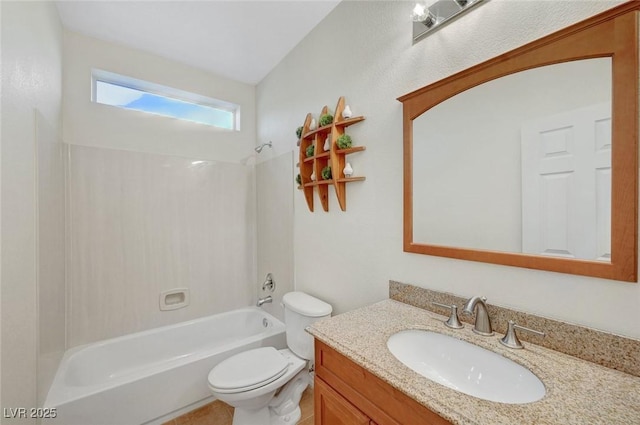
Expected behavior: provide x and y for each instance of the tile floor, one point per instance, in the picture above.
(219, 413)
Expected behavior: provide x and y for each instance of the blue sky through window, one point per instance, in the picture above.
(129, 98)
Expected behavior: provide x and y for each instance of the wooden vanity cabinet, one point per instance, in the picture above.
(347, 394)
(332, 408)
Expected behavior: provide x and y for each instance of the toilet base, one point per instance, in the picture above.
(284, 409)
(265, 416)
(288, 419)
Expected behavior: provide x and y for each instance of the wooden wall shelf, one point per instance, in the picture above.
(334, 157)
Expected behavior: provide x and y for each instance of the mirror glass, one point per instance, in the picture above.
(519, 164)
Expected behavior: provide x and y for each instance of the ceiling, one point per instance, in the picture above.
(237, 39)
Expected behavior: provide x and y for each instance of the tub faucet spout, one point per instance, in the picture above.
(264, 300)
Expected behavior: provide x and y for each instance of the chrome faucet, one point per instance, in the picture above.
(483, 323)
(264, 300)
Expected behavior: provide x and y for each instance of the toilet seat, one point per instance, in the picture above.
(247, 370)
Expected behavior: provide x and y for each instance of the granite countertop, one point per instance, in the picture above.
(578, 392)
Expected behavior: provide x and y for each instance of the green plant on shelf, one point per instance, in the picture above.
(299, 132)
(326, 172)
(309, 151)
(344, 141)
(326, 119)
(299, 179)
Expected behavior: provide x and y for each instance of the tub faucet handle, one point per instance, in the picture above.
(453, 322)
(269, 283)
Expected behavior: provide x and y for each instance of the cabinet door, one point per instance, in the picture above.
(333, 409)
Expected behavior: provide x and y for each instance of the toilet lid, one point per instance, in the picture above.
(248, 370)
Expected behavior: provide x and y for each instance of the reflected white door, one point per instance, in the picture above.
(566, 184)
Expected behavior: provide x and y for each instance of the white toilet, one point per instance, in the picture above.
(264, 384)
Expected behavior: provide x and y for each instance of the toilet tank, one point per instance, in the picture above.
(301, 310)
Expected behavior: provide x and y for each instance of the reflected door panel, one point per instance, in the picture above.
(566, 186)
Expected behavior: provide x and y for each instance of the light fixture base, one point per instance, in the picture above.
(444, 12)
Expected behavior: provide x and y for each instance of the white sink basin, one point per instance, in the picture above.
(466, 367)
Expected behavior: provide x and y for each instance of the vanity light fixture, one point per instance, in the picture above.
(427, 19)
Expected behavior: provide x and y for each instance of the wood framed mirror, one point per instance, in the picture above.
(580, 216)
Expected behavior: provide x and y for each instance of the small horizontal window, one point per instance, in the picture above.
(128, 93)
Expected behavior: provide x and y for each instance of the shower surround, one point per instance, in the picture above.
(141, 224)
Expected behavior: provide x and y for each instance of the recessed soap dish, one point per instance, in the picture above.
(174, 299)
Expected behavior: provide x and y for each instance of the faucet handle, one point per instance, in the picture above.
(453, 321)
(511, 340)
(269, 283)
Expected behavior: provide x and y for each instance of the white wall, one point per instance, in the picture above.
(274, 201)
(363, 51)
(91, 124)
(154, 203)
(31, 81)
(1, 91)
(51, 251)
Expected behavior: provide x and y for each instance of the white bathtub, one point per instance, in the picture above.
(153, 375)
